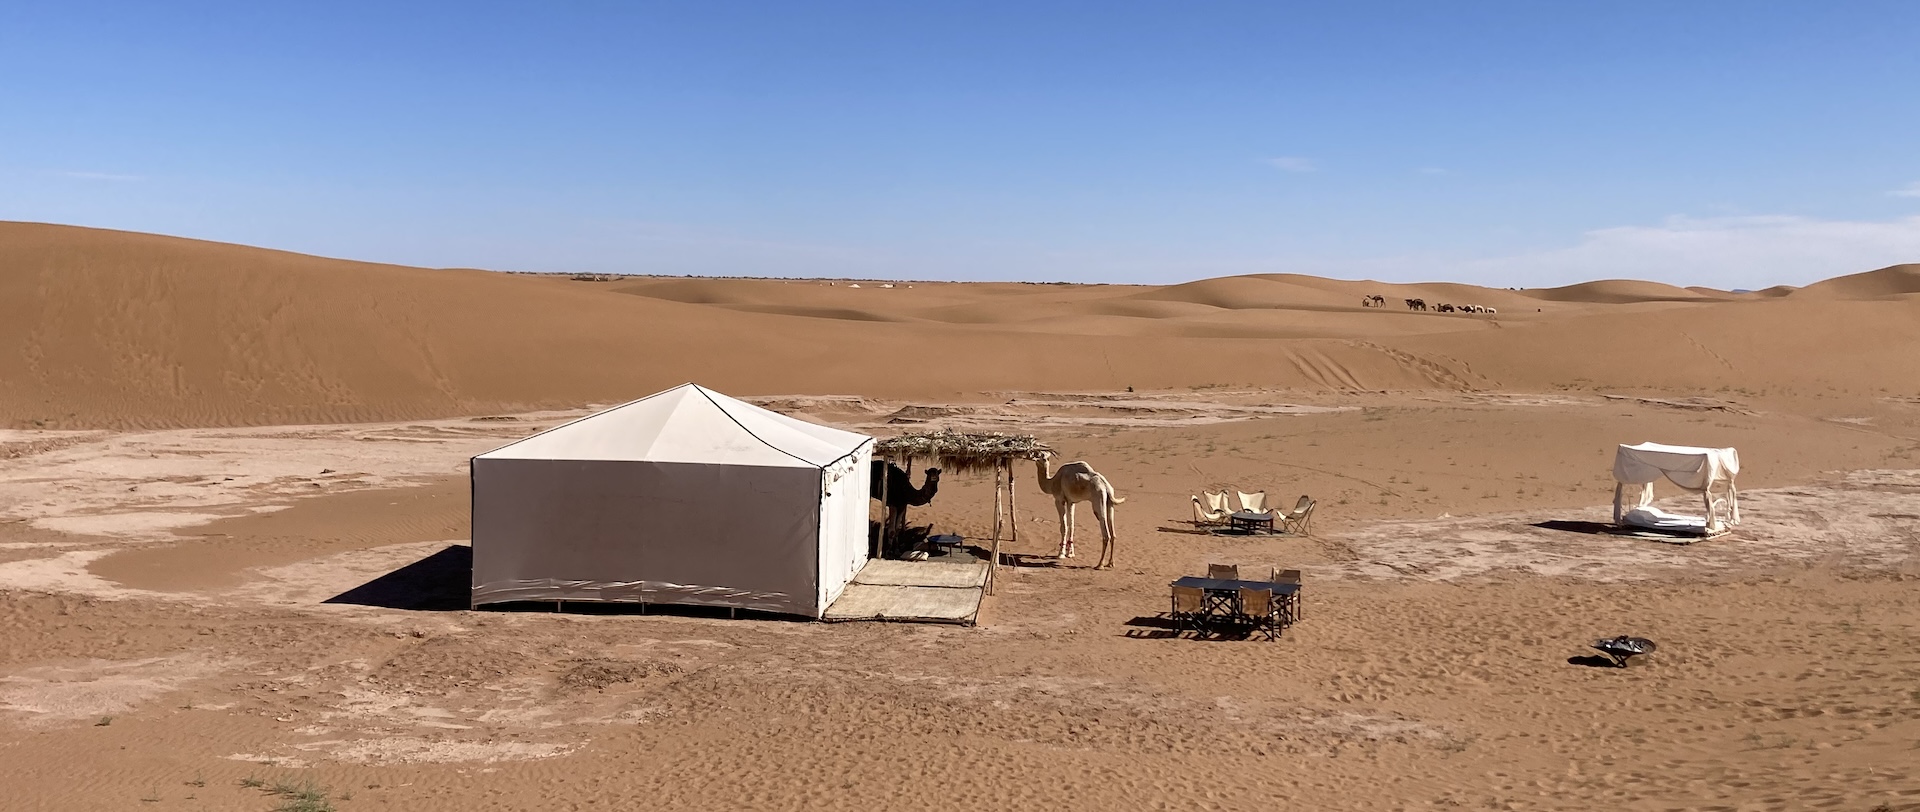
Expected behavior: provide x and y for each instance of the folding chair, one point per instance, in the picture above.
(1257, 612)
(1255, 502)
(1189, 608)
(1288, 604)
(1299, 520)
(1223, 572)
(1212, 511)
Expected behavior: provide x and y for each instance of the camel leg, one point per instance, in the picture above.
(1067, 520)
(890, 530)
(1103, 511)
(1062, 509)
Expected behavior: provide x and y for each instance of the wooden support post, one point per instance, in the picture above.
(1013, 515)
(880, 538)
(993, 561)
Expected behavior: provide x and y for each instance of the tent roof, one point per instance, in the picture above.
(689, 424)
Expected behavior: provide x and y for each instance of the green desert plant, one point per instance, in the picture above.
(305, 796)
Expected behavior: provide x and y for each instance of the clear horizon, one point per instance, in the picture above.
(1501, 144)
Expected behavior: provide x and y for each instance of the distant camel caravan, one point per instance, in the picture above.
(1373, 301)
(1443, 307)
(1074, 483)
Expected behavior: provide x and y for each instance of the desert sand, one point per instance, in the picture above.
(233, 526)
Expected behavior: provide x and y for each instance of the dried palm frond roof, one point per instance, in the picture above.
(961, 451)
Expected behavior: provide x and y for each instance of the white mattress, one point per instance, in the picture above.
(1654, 518)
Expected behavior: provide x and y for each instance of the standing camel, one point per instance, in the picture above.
(1074, 483)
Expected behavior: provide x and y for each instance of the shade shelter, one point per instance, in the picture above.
(972, 453)
(684, 497)
(1706, 471)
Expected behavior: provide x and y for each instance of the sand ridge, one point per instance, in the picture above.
(121, 330)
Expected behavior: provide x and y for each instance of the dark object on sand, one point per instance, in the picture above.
(1622, 647)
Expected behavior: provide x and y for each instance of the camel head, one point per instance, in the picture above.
(1043, 469)
(933, 474)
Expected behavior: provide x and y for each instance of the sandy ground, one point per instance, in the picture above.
(233, 547)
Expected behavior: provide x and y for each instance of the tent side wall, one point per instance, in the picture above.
(843, 529)
(743, 537)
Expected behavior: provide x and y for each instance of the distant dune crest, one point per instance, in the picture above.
(1888, 282)
(114, 329)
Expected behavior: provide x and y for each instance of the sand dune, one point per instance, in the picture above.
(1891, 281)
(1617, 291)
(120, 329)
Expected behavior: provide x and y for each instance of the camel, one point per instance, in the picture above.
(1074, 483)
(1416, 304)
(899, 493)
(1375, 300)
(1443, 307)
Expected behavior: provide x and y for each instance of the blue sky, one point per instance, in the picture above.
(1511, 144)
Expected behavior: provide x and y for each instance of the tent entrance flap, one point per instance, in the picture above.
(1709, 472)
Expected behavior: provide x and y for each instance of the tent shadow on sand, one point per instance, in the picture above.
(441, 582)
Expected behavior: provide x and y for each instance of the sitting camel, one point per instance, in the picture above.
(899, 492)
(1074, 483)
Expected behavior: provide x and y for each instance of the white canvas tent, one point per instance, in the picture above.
(685, 497)
(1705, 471)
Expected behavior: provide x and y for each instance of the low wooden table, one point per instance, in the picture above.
(1250, 521)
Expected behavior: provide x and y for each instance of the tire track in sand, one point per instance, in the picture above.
(1435, 372)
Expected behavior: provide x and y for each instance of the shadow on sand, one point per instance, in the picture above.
(1161, 627)
(441, 582)
(1593, 661)
(1589, 528)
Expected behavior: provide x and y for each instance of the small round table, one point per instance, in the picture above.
(1250, 521)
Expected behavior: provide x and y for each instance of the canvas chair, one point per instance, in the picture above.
(1290, 607)
(1257, 611)
(1299, 520)
(1223, 572)
(1212, 511)
(1255, 502)
(1189, 606)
